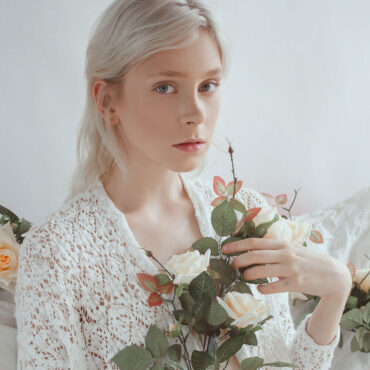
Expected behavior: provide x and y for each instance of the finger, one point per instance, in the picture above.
(251, 244)
(283, 285)
(257, 257)
(263, 271)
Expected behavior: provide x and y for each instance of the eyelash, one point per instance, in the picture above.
(165, 84)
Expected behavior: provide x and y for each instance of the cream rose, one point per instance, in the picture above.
(188, 265)
(9, 252)
(243, 308)
(360, 274)
(283, 229)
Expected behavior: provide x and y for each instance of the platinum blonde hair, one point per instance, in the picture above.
(126, 33)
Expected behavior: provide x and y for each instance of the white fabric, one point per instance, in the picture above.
(8, 331)
(78, 300)
(345, 228)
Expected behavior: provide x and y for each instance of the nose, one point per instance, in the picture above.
(192, 109)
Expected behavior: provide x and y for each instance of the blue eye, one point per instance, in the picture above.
(163, 85)
(211, 83)
(164, 91)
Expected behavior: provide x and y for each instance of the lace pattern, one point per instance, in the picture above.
(78, 301)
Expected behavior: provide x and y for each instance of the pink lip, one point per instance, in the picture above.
(190, 147)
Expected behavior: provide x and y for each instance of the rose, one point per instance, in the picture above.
(283, 229)
(360, 274)
(188, 265)
(243, 308)
(9, 252)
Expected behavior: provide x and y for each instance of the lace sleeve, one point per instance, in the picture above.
(303, 350)
(48, 325)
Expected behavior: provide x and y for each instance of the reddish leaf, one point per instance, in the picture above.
(270, 199)
(230, 187)
(250, 214)
(281, 199)
(154, 299)
(219, 186)
(352, 269)
(316, 237)
(217, 201)
(166, 288)
(148, 282)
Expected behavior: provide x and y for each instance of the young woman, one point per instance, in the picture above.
(153, 72)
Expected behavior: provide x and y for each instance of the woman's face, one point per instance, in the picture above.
(157, 111)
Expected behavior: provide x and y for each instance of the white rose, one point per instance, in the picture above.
(360, 274)
(188, 265)
(243, 308)
(283, 229)
(9, 252)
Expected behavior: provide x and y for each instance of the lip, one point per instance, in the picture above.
(195, 140)
(190, 147)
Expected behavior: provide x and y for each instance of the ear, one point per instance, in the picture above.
(103, 97)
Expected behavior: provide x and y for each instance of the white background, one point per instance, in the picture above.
(295, 105)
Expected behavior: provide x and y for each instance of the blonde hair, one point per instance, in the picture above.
(126, 33)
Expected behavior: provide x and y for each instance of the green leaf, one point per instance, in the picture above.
(212, 346)
(360, 336)
(23, 227)
(216, 314)
(226, 272)
(223, 219)
(261, 229)
(351, 303)
(202, 327)
(187, 318)
(187, 302)
(180, 288)
(162, 279)
(133, 358)
(202, 285)
(201, 307)
(237, 205)
(366, 314)
(252, 363)
(241, 288)
(250, 339)
(351, 319)
(229, 347)
(174, 352)
(7, 212)
(281, 364)
(355, 346)
(200, 360)
(203, 244)
(366, 339)
(156, 342)
(157, 367)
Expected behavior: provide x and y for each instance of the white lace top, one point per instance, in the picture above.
(79, 302)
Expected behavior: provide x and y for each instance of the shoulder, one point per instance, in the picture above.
(247, 195)
(56, 232)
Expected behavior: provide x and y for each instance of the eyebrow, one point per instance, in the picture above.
(212, 72)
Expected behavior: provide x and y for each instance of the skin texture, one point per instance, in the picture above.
(299, 269)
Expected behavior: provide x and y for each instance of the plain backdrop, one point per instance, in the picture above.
(295, 105)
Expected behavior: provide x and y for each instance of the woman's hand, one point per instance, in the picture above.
(298, 268)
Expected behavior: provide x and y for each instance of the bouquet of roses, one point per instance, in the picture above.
(213, 297)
